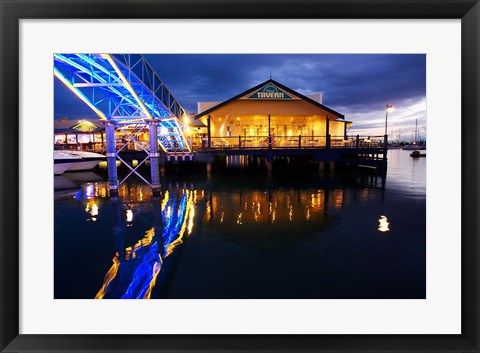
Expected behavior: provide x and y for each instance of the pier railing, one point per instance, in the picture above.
(287, 142)
(255, 142)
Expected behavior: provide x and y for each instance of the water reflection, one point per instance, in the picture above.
(135, 269)
(383, 225)
(407, 174)
(274, 217)
(227, 237)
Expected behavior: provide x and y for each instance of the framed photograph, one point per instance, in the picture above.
(232, 176)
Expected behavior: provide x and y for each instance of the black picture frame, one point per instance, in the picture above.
(13, 11)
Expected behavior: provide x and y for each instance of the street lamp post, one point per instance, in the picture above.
(389, 107)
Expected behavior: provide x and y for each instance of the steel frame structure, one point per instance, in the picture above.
(124, 88)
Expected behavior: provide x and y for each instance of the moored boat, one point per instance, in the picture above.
(63, 161)
(72, 161)
(417, 154)
(88, 160)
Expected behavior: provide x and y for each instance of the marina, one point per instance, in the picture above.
(264, 194)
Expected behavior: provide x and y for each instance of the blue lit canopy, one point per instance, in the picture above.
(124, 88)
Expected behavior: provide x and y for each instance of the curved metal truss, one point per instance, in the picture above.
(124, 88)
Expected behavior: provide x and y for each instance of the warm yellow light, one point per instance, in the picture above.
(190, 219)
(94, 211)
(129, 215)
(112, 272)
(383, 225)
(389, 107)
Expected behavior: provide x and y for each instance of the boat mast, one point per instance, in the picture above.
(416, 121)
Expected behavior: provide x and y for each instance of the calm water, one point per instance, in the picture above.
(240, 235)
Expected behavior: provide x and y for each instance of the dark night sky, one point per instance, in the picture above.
(358, 86)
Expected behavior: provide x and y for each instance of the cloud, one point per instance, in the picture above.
(401, 121)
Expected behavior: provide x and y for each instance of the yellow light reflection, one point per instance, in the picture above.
(165, 200)
(92, 209)
(130, 252)
(112, 272)
(179, 240)
(190, 219)
(383, 225)
(209, 212)
(317, 200)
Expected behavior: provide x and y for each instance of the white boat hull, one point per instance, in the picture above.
(60, 168)
(76, 160)
(83, 165)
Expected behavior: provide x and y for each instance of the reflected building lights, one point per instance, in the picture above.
(209, 213)
(191, 215)
(129, 216)
(178, 211)
(383, 225)
(317, 200)
(239, 218)
(144, 261)
(90, 191)
(92, 209)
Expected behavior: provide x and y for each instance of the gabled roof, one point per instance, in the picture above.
(81, 126)
(279, 85)
(84, 126)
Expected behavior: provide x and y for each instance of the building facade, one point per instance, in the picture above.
(271, 115)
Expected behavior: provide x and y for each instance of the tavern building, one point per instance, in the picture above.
(271, 115)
